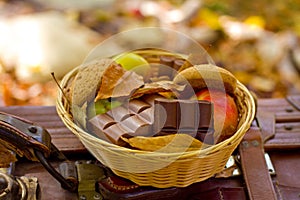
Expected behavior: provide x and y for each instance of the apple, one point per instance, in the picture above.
(133, 61)
(225, 112)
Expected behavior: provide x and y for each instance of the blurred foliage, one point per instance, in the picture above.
(260, 57)
(278, 14)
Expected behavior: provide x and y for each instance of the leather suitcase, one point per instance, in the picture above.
(275, 131)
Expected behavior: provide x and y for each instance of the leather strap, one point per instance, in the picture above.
(266, 122)
(255, 171)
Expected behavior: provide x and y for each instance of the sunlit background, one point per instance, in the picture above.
(258, 41)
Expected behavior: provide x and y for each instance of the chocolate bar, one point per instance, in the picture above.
(138, 106)
(137, 126)
(119, 113)
(169, 65)
(184, 116)
(154, 115)
(165, 117)
(134, 118)
(171, 61)
(178, 63)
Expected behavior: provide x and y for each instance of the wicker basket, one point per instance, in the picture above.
(162, 169)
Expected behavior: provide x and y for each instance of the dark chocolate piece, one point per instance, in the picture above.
(189, 116)
(183, 116)
(166, 116)
(166, 66)
(178, 63)
(166, 60)
(206, 136)
(206, 115)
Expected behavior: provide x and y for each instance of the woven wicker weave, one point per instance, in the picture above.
(162, 169)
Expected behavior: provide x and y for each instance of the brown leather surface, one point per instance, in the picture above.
(47, 117)
(287, 179)
(224, 193)
(255, 171)
(285, 124)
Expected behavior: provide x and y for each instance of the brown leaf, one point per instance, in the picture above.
(158, 87)
(117, 82)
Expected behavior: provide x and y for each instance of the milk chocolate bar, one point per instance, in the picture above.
(119, 113)
(138, 106)
(134, 118)
(136, 126)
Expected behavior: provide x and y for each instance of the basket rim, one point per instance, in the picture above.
(80, 132)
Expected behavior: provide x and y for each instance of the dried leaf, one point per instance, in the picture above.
(158, 87)
(167, 144)
(117, 82)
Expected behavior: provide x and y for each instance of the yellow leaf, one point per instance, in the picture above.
(256, 21)
(168, 143)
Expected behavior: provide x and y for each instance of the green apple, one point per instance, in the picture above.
(132, 61)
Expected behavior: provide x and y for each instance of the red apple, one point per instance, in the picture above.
(225, 112)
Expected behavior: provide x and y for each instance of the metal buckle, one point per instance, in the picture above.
(232, 169)
(270, 166)
(18, 188)
(88, 174)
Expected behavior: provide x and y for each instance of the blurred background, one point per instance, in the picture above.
(258, 41)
